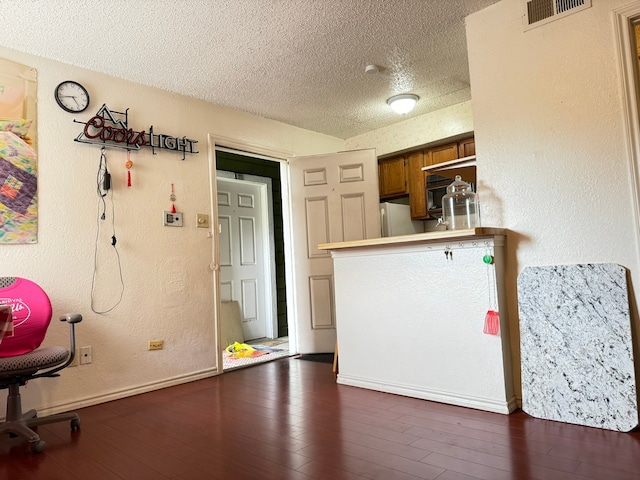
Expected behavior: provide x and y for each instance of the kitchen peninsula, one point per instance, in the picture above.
(410, 315)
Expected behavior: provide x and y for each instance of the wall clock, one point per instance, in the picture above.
(71, 96)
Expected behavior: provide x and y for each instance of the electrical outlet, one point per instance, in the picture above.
(156, 344)
(86, 355)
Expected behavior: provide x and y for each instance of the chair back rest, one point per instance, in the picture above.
(31, 311)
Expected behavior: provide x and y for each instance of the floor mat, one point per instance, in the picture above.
(317, 357)
(271, 353)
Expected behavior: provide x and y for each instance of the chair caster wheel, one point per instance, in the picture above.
(75, 424)
(38, 447)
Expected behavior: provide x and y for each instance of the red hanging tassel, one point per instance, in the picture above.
(129, 164)
(173, 208)
(492, 323)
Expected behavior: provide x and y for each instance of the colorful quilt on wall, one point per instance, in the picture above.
(18, 190)
(18, 158)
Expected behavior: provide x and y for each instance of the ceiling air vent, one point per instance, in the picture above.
(539, 12)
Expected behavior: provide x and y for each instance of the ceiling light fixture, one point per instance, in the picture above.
(371, 69)
(403, 104)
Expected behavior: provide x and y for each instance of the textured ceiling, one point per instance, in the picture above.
(300, 62)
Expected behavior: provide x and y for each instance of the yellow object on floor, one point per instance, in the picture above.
(240, 350)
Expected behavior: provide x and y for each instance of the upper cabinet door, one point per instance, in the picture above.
(444, 153)
(417, 199)
(393, 176)
(467, 147)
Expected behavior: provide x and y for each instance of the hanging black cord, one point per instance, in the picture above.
(103, 187)
(100, 181)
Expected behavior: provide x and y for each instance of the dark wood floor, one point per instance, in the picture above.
(289, 420)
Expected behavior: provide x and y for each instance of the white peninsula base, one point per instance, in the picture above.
(410, 318)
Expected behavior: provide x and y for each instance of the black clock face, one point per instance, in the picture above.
(72, 97)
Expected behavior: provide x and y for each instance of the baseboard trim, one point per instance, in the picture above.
(127, 392)
(433, 395)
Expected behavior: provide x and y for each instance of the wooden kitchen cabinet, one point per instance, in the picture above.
(418, 178)
(466, 147)
(392, 176)
(417, 193)
(401, 175)
(444, 153)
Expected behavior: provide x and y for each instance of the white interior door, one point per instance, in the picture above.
(244, 269)
(334, 198)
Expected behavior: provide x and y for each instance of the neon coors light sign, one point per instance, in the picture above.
(106, 130)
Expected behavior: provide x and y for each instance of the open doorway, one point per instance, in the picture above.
(246, 253)
(344, 184)
(257, 174)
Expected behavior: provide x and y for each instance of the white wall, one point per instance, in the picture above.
(168, 284)
(417, 131)
(549, 131)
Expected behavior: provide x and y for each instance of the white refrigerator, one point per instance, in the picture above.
(395, 219)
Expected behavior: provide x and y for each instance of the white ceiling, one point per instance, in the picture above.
(300, 62)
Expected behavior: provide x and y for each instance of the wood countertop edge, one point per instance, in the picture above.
(416, 238)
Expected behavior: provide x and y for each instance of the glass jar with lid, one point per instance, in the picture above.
(460, 207)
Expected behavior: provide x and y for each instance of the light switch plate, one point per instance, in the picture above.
(202, 220)
(172, 219)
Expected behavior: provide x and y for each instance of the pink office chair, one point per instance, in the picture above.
(25, 314)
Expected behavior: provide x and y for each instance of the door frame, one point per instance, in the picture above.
(624, 17)
(266, 153)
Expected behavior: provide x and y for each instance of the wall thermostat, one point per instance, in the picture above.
(172, 219)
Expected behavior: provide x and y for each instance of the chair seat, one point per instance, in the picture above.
(31, 362)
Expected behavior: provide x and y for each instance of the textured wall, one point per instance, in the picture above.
(552, 164)
(416, 131)
(168, 284)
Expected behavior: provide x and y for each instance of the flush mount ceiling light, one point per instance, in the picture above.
(371, 69)
(403, 104)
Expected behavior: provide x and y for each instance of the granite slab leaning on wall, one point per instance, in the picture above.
(576, 347)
